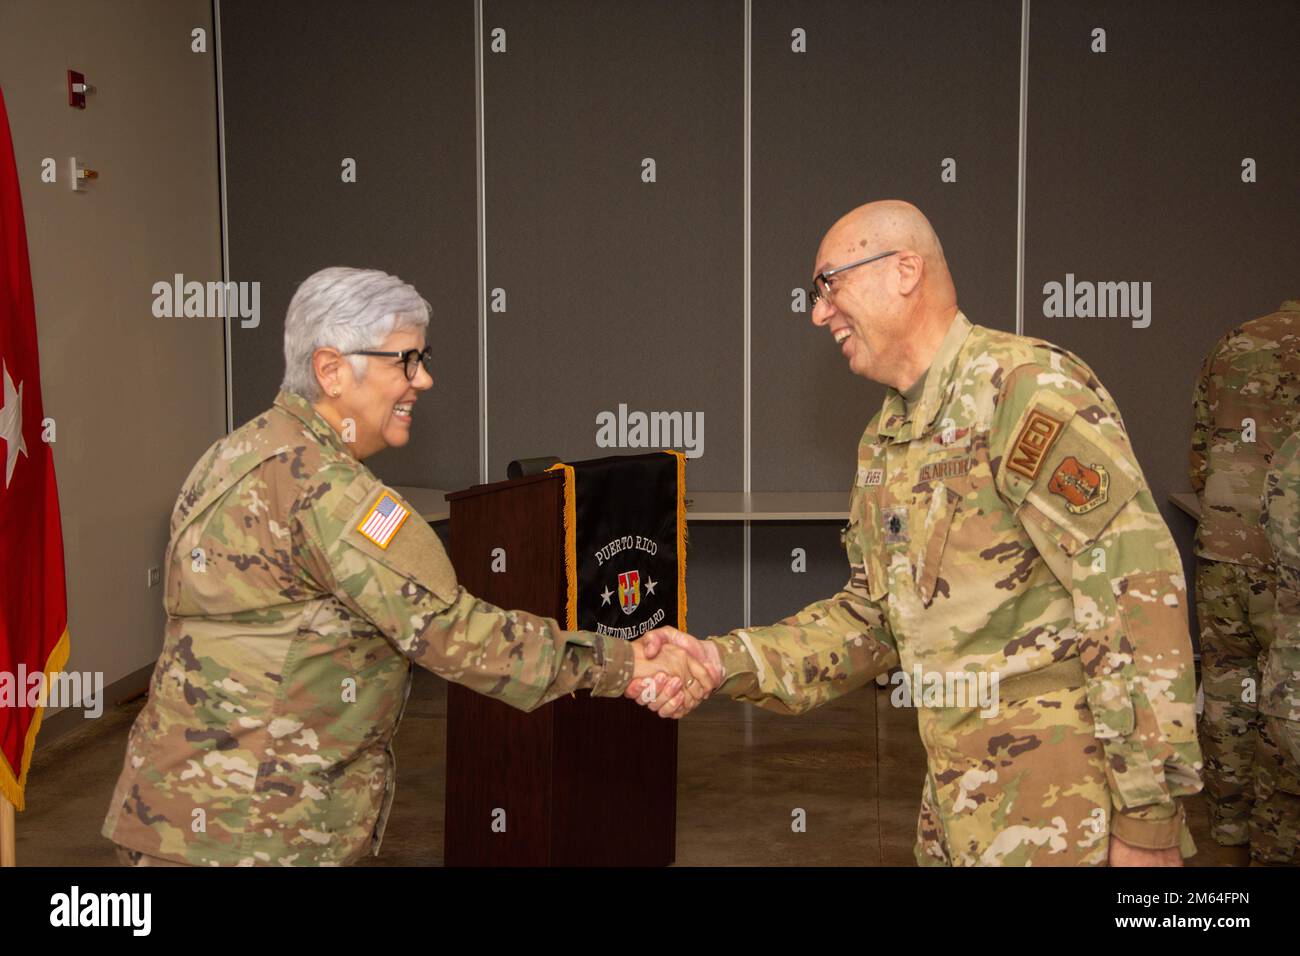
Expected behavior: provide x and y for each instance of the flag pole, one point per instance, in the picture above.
(7, 855)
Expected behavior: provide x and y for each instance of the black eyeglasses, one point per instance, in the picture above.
(821, 282)
(412, 359)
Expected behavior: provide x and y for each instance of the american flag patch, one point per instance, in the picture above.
(382, 521)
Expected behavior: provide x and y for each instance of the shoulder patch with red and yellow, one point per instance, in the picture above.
(1084, 488)
(1066, 470)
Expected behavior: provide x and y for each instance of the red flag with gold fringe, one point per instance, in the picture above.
(33, 600)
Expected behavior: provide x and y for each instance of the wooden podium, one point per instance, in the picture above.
(582, 781)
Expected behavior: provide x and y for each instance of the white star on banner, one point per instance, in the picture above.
(605, 596)
(650, 585)
(11, 423)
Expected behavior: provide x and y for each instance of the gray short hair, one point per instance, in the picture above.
(349, 310)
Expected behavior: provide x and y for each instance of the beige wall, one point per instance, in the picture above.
(136, 399)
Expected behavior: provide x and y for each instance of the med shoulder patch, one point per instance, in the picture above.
(1033, 442)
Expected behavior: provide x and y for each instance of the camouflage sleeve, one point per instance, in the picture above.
(407, 589)
(1280, 682)
(823, 652)
(1081, 497)
(1202, 427)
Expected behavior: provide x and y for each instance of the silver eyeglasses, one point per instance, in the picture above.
(821, 282)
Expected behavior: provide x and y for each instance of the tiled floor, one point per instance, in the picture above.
(855, 767)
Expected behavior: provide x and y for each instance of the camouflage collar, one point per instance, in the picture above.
(305, 412)
(896, 423)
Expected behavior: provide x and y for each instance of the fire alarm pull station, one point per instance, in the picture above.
(77, 89)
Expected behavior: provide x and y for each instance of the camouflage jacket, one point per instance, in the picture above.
(287, 655)
(1279, 693)
(1247, 402)
(1003, 525)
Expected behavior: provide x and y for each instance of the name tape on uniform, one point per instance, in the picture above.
(1032, 444)
(870, 477)
(383, 519)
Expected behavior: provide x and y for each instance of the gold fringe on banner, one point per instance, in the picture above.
(10, 785)
(681, 539)
(570, 545)
(571, 542)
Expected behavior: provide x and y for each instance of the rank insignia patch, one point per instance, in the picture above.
(1040, 431)
(895, 525)
(1083, 488)
(382, 520)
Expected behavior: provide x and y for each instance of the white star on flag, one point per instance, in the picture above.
(11, 423)
(650, 585)
(606, 595)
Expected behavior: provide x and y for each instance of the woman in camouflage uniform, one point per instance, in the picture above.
(299, 592)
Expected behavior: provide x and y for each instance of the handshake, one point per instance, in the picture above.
(674, 672)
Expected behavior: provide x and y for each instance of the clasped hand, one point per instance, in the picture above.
(674, 672)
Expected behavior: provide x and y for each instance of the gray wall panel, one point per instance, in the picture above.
(779, 591)
(883, 94)
(1134, 174)
(392, 86)
(715, 556)
(622, 292)
(617, 291)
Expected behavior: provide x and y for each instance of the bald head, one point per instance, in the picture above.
(897, 309)
(891, 224)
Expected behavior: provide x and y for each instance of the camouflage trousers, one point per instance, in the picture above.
(135, 858)
(1252, 784)
(1275, 817)
(1026, 787)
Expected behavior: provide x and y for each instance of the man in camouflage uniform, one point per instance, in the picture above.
(1275, 819)
(999, 526)
(1247, 401)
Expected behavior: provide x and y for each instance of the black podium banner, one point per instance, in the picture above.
(625, 543)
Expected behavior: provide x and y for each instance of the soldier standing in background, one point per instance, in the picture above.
(1247, 403)
(1275, 823)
